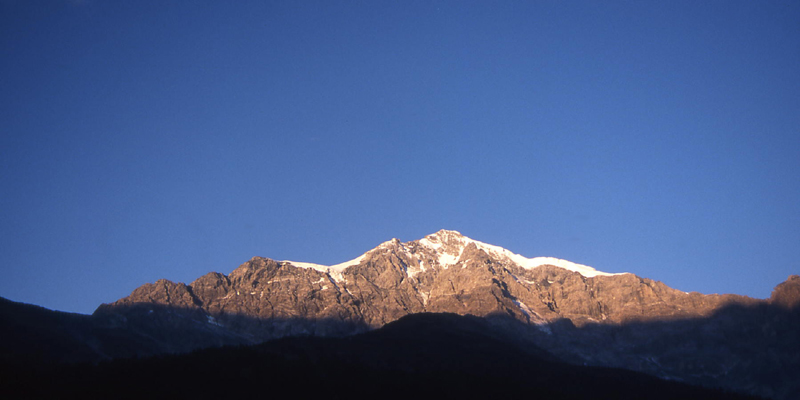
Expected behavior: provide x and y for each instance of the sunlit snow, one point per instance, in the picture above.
(449, 257)
(522, 261)
(335, 271)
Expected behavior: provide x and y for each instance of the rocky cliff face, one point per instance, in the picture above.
(579, 314)
(787, 294)
(443, 272)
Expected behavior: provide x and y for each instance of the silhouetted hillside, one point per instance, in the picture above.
(419, 356)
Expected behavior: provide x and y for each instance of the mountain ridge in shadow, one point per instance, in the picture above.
(756, 339)
(422, 355)
(35, 336)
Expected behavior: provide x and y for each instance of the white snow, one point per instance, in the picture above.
(524, 308)
(413, 271)
(447, 258)
(584, 270)
(434, 242)
(544, 328)
(425, 297)
(533, 317)
(531, 263)
(335, 271)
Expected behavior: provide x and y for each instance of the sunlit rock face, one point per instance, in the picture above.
(579, 314)
(787, 294)
(443, 272)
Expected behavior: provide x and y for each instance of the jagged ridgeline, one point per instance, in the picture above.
(443, 272)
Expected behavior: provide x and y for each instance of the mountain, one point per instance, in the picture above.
(568, 312)
(443, 272)
(32, 336)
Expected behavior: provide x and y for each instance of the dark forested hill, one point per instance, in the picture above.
(422, 356)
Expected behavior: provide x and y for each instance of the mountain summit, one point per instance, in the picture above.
(444, 249)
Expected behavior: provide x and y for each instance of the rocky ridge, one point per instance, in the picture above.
(443, 272)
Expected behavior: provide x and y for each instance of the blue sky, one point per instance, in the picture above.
(165, 139)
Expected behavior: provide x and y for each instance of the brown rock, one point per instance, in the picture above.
(787, 293)
(444, 272)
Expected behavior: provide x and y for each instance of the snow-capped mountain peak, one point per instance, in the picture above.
(447, 247)
(450, 244)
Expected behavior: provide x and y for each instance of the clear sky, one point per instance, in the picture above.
(142, 140)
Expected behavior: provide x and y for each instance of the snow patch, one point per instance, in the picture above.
(524, 308)
(533, 317)
(531, 263)
(435, 243)
(448, 246)
(415, 270)
(542, 326)
(447, 259)
(335, 271)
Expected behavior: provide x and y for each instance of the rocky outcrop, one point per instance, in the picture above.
(787, 294)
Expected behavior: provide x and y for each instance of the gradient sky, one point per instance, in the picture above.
(142, 140)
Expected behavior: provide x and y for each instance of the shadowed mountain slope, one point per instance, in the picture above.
(423, 356)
